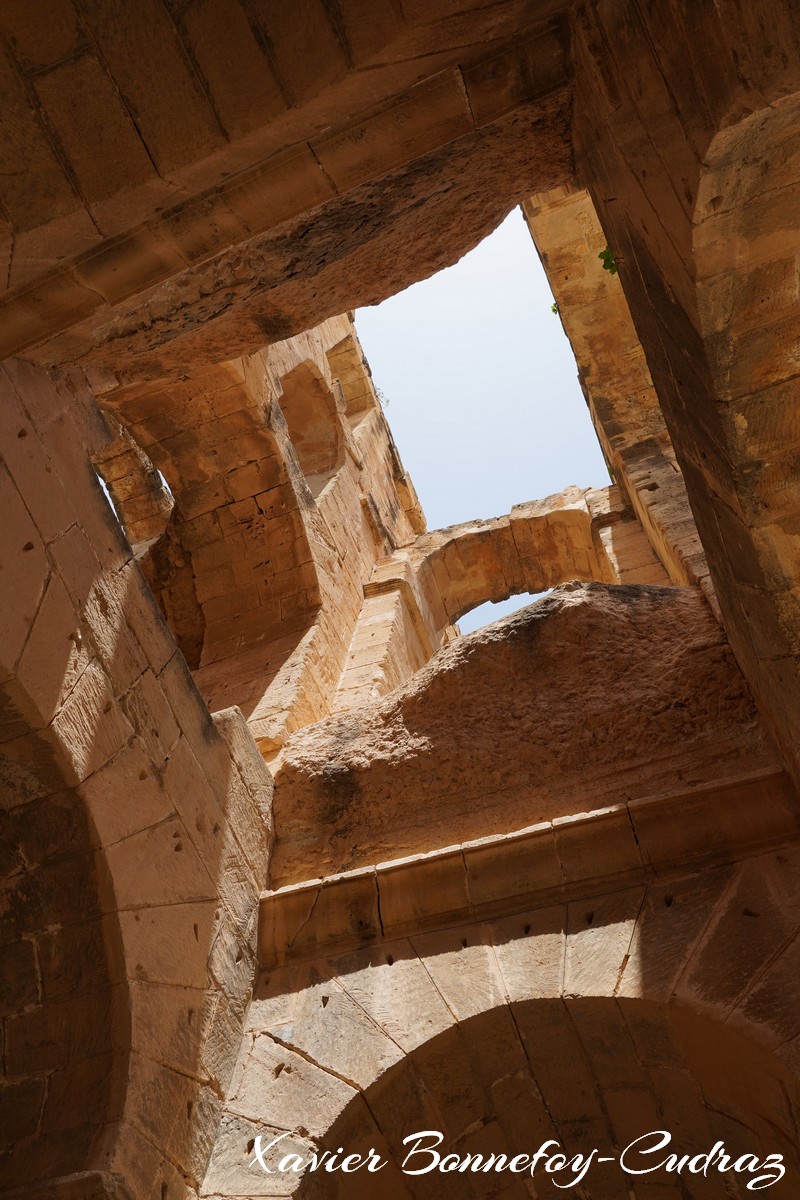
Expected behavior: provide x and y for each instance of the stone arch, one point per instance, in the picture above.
(315, 426)
(126, 892)
(66, 1018)
(592, 1021)
(584, 1073)
(64, 1002)
(235, 555)
(746, 248)
(415, 597)
(141, 499)
(538, 546)
(250, 554)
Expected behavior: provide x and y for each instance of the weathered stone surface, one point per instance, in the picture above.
(414, 597)
(586, 836)
(619, 389)
(114, 870)
(84, 1185)
(345, 131)
(487, 735)
(510, 1076)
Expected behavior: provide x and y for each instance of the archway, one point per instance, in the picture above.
(395, 1045)
(315, 426)
(586, 1075)
(122, 871)
(63, 998)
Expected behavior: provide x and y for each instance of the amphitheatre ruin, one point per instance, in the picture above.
(284, 855)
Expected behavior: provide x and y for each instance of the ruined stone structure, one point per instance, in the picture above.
(280, 851)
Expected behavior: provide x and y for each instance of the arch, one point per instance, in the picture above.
(64, 1001)
(233, 569)
(315, 426)
(586, 1074)
(248, 561)
(66, 1021)
(592, 1022)
(538, 546)
(415, 597)
(746, 244)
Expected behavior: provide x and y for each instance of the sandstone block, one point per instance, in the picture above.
(90, 727)
(19, 977)
(302, 919)
(424, 119)
(24, 569)
(307, 1097)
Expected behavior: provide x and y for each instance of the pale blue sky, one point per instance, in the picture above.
(482, 388)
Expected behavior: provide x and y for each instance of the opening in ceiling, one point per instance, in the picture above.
(481, 384)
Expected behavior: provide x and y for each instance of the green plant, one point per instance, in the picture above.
(607, 257)
(554, 307)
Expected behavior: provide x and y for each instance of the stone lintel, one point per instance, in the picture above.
(263, 196)
(560, 860)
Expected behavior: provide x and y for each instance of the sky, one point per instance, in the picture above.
(481, 389)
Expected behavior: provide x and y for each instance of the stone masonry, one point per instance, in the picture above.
(282, 853)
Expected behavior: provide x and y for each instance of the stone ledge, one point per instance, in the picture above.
(558, 860)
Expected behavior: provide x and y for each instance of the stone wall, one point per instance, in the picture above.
(591, 1022)
(685, 134)
(546, 873)
(135, 836)
(615, 378)
(487, 738)
(137, 828)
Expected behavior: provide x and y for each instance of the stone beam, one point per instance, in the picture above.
(553, 862)
(211, 264)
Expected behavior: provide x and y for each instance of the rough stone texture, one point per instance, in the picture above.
(496, 1073)
(615, 378)
(369, 242)
(486, 735)
(553, 861)
(136, 831)
(681, 174)
(258, 495)
(632, 956)
(577, 1021)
